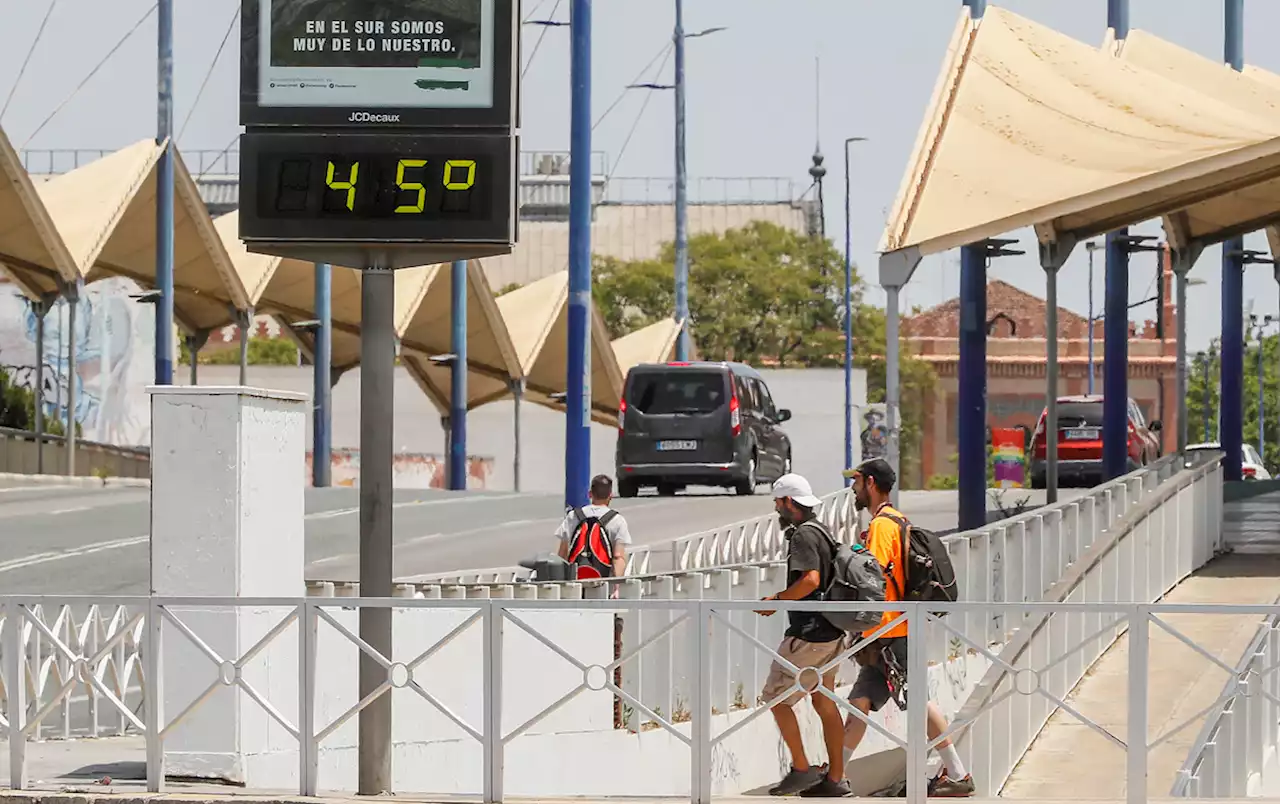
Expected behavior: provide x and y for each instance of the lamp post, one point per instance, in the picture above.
(848, 312)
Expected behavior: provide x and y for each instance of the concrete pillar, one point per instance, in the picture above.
(228, 468)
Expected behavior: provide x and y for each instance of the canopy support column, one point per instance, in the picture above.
(1231, 405)
(1053, 255)
(517, 395)
(1183, 261)
(71, 290)
(971, 431)
(457, 463)
(896, 269)
(195, 342)
(40, 309)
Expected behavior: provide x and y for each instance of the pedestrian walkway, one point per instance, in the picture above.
(1069, 758)
(1252, 525)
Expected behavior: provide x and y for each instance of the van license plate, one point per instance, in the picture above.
(675, 446)
(1083, 434)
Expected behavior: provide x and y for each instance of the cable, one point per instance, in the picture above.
(636, 123)
(538, 44)
(91, 74)
(221, 154)
(27, 60)
(235, 15)
(623, 94)
(534, 13)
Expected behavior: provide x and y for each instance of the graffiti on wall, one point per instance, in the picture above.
(115, 341)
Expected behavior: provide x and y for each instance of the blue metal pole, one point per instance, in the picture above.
(164, 197)
(322, 413)
(458, 397)
(1115, 358)
(848, 320)
(1262, 414)
(1091, 321)
(972, 402)
(577, 441)
(1231, 399)
(971, 435)
(1118, 17)
(682, 194)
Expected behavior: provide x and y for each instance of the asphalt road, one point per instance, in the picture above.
(84, 541)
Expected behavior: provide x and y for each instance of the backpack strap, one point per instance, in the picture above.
(579, 514)
(903, 526)
(607, 517)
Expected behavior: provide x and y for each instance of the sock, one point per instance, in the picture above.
(951, 761)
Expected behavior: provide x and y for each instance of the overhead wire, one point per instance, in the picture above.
(538, 44)
(30, 52)
(235, 15)
(666, 50)
(92, 73)
(635, 124)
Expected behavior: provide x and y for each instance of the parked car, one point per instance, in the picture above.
(1251, 467)
(705, 424)
(1080, 441)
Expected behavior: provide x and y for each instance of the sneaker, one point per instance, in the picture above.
(827, 788)
(797, 781)
(943, 786)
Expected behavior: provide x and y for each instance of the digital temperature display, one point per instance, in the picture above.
(387, 187)
(377, 186)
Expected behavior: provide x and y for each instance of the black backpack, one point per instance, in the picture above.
(928, 572)
(590, 548)
(855, 576)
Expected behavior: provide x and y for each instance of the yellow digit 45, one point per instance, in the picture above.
(412, 185)
(349, 185)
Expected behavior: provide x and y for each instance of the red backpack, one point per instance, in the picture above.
(591, 549)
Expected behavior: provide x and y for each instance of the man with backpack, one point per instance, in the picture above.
(916, 568)
(594, 538)
(811, 643)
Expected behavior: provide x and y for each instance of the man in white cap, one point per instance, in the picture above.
(811, 644)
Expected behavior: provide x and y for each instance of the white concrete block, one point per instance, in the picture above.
(228, 473)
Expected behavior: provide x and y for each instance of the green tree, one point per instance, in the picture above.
(262, 352)
(763, 294)
(1204, 371)
(18, 407)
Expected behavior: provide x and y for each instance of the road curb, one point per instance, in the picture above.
(76, 482)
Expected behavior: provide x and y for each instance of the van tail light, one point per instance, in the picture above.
(622, 414)
(735, 416)
(1249, 471)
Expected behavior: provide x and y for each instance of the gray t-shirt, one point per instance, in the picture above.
(616, 527)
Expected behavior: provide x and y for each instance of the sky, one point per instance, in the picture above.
(754, 106)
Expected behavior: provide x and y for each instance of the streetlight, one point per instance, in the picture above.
(682, 177)
(848, 312)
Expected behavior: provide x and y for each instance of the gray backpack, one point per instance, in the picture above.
(856, 576)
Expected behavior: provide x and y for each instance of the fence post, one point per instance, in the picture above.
(154, 698)
(16, 688)
(308, 752)
(1136, 741)
(494, 616)
(700, 706)
(917, 703)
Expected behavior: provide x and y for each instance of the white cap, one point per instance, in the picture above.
(797, 488)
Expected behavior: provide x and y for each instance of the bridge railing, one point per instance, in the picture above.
(1236, 753)
(516, 724)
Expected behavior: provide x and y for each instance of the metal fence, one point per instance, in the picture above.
(1237, 752)
(19, 454)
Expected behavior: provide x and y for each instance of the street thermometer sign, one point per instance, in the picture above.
(379, 132)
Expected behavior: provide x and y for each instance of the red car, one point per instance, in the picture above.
(1080, 441)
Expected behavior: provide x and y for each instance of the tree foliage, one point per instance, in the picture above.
(1203, 373)
(18, 407)
(763, 294)
(262, 352)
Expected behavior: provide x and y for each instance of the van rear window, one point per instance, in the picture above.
(658, 394)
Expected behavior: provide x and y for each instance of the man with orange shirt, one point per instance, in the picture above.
(883, 664)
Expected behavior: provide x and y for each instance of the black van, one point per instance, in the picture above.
(705, 424)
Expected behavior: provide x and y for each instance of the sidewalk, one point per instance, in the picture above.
(1069, 757)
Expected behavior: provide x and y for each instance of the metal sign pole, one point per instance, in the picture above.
(377, 413)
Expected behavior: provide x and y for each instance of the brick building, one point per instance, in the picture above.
(1016, 356)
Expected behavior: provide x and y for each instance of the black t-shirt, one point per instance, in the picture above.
(809, 549)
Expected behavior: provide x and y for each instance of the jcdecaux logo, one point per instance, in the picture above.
(370, 117)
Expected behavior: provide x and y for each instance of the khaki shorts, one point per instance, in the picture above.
(802, 654)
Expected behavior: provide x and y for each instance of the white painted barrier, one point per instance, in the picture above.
(1237, 752)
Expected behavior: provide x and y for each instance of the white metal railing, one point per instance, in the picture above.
(1236, 752)
(1037, 682)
